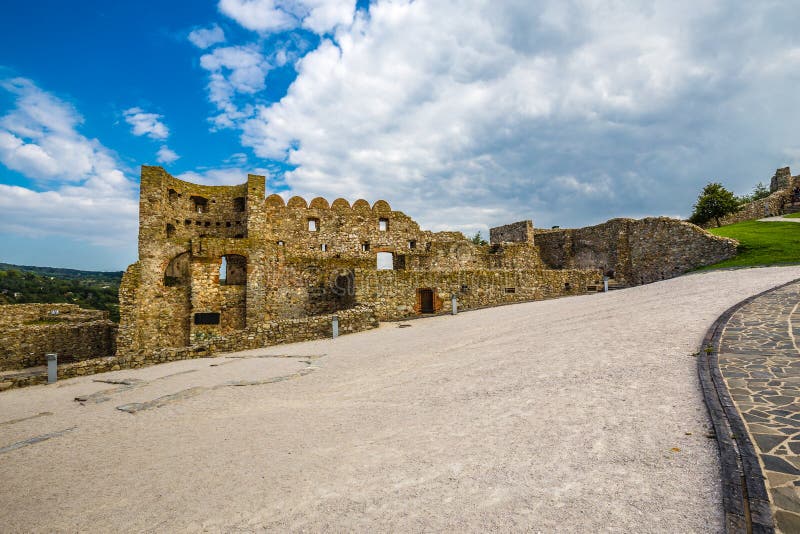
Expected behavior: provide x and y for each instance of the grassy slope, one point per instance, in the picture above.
(792, 216)
(761, 243)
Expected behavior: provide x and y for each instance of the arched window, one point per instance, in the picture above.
(177, 271)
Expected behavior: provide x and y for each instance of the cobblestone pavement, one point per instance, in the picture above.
(760, 362)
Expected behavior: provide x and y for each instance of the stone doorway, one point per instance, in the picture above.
(425, 300)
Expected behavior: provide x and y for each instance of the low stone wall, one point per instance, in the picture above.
(634, 251)
(29, 331)
(396, 294)
(292, 330)
(766, 207)
(272, 333)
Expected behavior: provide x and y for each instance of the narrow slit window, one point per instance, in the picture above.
(412, 244)
(223, 270)
(365, 246)
(324, 247)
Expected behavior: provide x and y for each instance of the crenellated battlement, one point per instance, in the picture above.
(275, 201)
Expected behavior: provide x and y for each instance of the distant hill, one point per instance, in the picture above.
(88, 289)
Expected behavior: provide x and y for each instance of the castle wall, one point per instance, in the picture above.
(781, 186)
(30, 331)
(298, 260)
(518, 232)
(765, 207)
(352, 320)
(634, 251)
(395, 294)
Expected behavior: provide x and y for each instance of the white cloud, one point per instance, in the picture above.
(528, 109)
(234, 71)
(166, 155)
(85, 193)
(144, 123)
(231, 175)
(319, 16)
(206, 37)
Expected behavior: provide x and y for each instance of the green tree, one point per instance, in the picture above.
(760, 191)
(714, 202)
(478, 239)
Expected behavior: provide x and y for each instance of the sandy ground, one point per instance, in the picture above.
(580, 414)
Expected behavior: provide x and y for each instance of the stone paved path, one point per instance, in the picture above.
(760, 361)
(780, 218)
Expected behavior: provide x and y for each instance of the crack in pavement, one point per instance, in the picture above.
(21, 419)
(36, 439)
(134, 407)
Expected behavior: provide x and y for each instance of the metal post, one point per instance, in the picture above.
(52, 368)
(454, 303)
(605, 284)
(335, 323)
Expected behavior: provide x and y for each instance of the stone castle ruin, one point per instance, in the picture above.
(224, 268)
(227, 266)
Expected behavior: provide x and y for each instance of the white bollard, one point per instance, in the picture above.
(605, 284)
(52, 368)
(335, 324)
(454, 303)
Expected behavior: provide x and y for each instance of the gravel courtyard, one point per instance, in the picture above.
(579, 414)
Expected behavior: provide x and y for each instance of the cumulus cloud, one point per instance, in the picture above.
(319, 16)
(554, 109)
(234, 71)
(206, 37)
(144, 123)
(166, 155)
(84, 192)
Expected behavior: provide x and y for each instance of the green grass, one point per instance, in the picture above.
(761, 243)
(792, 216)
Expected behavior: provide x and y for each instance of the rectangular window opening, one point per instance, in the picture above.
(313, 225)
(206, 318)
(383, 224)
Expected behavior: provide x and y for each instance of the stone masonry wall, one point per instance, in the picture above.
(396, 294)
(782, 179)
(634, 251)
(353, 320)
(781, 186)
(518, 232)
(29, 331)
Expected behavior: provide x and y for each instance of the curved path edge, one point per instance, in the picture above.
(744, 495)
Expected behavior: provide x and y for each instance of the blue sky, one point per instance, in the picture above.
(462, 114)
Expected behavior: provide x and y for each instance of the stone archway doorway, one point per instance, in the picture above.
(425, 300)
